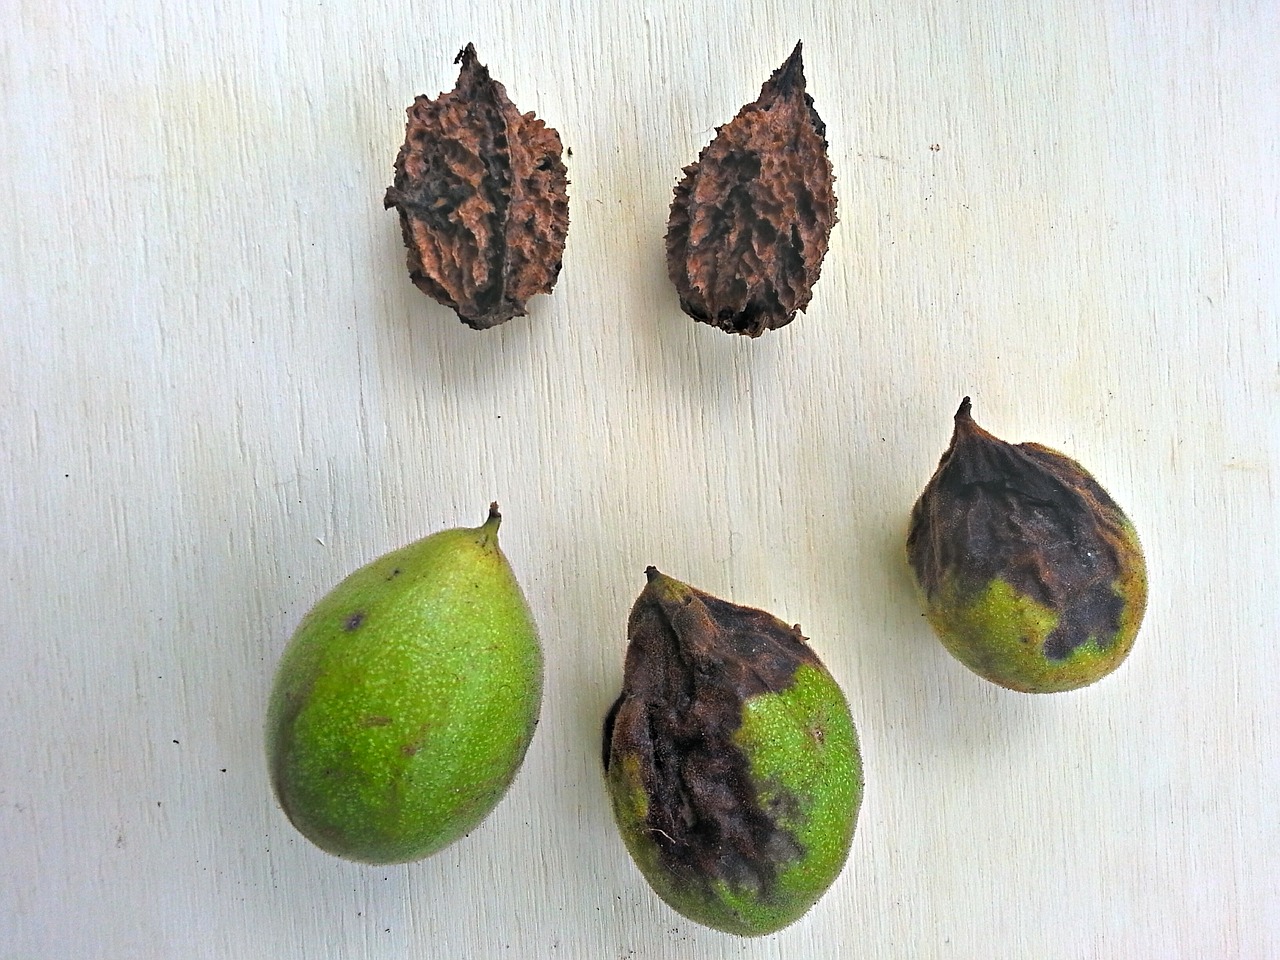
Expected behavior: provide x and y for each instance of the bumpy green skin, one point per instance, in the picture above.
(806, 764)
(999, 633)
(406, 700)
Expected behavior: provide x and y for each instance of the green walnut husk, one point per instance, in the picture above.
(404, 703)
(1030, 573)
(731, 761)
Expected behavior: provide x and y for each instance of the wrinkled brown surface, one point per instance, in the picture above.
(1030, 516)
(751, 219)
(692, 662)
(481, 192)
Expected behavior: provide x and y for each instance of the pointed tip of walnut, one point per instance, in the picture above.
(965, 428)
(751, 219)
(791, 74)
(482, 193)
(474, 79)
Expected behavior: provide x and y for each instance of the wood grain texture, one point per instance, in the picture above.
(221, 393)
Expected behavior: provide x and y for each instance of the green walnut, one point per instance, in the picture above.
(1030, 574)
(406, 700)
(731, 761)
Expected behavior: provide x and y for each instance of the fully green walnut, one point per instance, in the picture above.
(731, 761)
(1030, 573)
(406, 700)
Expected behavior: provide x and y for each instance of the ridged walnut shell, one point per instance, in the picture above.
(482, 194)
(751, 220)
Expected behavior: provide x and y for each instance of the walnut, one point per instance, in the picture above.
(750, 221)
(481, 191)
(1031, 575)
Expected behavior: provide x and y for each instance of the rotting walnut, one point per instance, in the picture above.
(481, 192)
(1031, 574)
(751, 219)
(731, 760)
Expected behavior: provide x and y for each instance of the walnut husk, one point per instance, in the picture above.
(693, 662)
(1035, 519)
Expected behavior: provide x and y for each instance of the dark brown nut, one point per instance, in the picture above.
(1030, 573)
(751, 219)
(481, 191)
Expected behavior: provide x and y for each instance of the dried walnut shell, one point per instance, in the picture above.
(751, 220)
(481, 192)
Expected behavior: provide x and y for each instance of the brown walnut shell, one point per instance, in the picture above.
(481, 192)
(751, 220)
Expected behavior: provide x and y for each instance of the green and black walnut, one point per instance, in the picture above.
(731, 759)
(1031, 575)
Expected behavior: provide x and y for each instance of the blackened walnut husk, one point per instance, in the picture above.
(751, 220)
(722, 842)
(1036, 520)
(481, 192)
(693, 661)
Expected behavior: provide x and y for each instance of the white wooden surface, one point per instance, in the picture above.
(219, 393)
